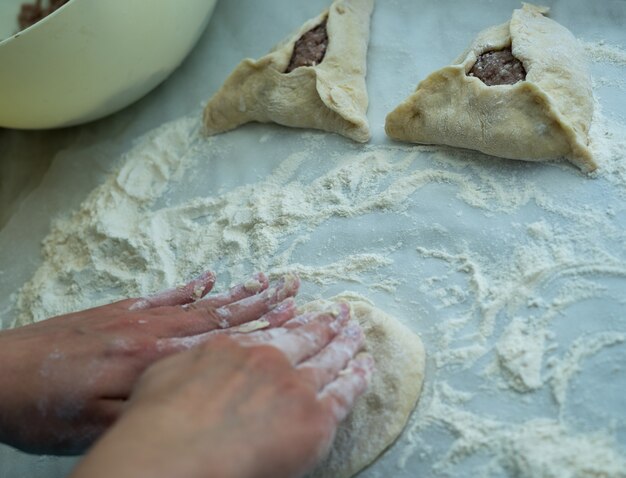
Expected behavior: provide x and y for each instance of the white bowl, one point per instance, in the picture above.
(91, 58)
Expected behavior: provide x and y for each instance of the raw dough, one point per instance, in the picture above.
(545, 117)
(330, 96)
(380, 415)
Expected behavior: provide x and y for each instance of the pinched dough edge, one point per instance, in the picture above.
(545, 117)
(331, 96)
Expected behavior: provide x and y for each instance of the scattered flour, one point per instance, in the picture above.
(498, 296)
(602, 52)
(520, 352)
(563, 370)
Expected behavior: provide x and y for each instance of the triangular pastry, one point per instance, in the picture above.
(314, 79)
(521, 91)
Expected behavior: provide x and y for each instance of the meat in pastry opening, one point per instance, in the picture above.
(310, 48)
(498, 67)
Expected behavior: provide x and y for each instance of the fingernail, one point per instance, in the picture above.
(261, 277)
(279, 291)
(203, 284)
(198, 291)
(253, 285)
(288, 285)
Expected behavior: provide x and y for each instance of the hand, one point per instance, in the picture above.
(251, 405)
(66, 379)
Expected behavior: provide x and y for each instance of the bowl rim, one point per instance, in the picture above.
(18, 34)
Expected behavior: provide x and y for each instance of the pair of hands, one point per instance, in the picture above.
(219, 401)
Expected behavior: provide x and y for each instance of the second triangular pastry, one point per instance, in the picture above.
(521, 91)
(315, 79)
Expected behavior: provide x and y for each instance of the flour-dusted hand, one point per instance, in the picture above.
(66, 379)
(247, 405)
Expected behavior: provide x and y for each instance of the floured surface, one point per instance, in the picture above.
(513, 274)
(381, 414)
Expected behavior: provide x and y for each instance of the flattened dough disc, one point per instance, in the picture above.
(545, 117)
(331, 96)
(381, 414)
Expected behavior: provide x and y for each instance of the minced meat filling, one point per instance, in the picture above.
(310, 48)
(31, 13)
(498, 68)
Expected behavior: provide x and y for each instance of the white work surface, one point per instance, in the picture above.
(513, 273)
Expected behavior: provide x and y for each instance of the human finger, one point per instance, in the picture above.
(263, 337)
(300, 343)
(323, 368)
(340, 395)
(278, 316)
(250, 308)
(185, 294)
(274, 318)
(170, 322)
(254, 285)
(301, 319)
(306, 317)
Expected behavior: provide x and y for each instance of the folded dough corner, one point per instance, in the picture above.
(545, 116)
(330, 95)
